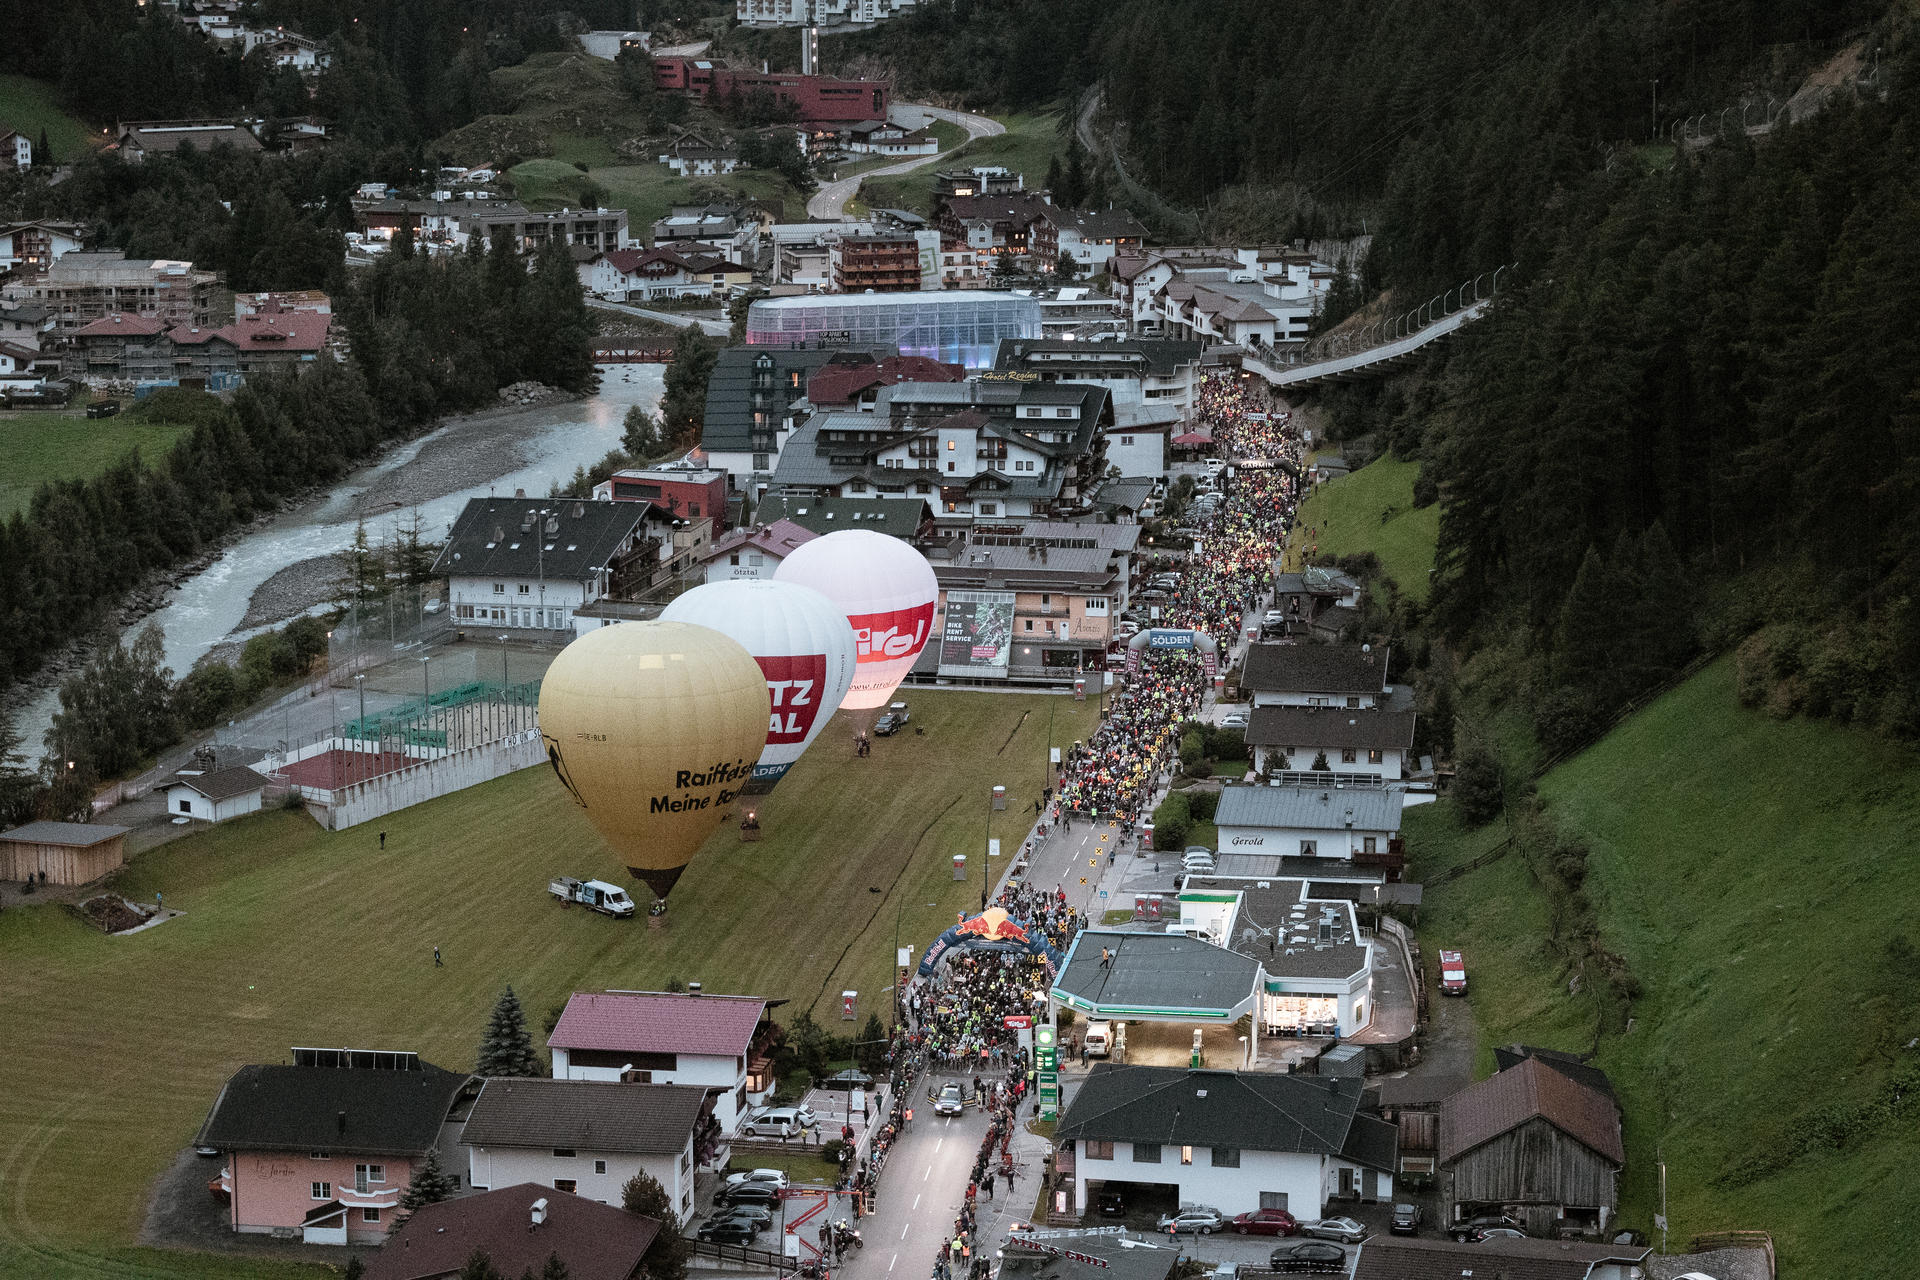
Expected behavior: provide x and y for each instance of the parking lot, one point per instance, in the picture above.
(1248, 1252)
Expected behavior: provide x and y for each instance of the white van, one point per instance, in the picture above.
(1099, 1039)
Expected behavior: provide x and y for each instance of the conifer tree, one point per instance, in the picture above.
(507, 1048)
(431, 1184)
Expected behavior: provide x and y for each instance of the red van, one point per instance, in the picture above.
(1453, 974)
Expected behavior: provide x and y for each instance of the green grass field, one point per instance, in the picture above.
(30, 105)
(1347, 515)
(1752, 872)
(293, 935)
(1029, 142)
(645, 191)
(37, 446)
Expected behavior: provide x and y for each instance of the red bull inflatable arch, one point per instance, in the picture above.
(1171, 639)
(992, 930)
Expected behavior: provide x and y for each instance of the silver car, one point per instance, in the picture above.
(1345, 1230)
(1197, 1221)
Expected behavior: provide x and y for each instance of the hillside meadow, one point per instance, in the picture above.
(1757, 876)
(294, 935)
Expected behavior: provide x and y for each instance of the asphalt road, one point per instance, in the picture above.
(921, 1191)
(830, 201)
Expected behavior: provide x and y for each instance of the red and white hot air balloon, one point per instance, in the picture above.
(887, 591)
(802, 642)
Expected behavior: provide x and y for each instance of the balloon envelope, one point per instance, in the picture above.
(804, 646)
(654, 728)
(887, 591)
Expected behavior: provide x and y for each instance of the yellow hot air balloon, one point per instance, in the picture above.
(654, 727)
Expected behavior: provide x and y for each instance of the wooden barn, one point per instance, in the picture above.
(1534, 1143)
(62, 852)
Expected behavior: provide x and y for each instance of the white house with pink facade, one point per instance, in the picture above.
(322, 1150)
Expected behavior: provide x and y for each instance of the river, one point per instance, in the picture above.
(496, 452)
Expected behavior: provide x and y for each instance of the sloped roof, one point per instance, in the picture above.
(282, 331)
(1316, 668)
(896, 517)
(596, 1241)
(488, 537)
(221, 784)
(1571, 1065)
(336, 1109)
(778, 538)
(1323, 808)
(1510, 1098)
(586, 1115)
(1017, 209)
(77, 835)
(838, 383)
(1253, 1111)
(658, 1022)
(729, 414)
(1331, 727)
(1385, 1257)
(1098, 224)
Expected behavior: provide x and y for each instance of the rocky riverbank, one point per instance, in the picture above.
(458, 453)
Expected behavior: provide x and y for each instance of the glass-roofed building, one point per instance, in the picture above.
(958, 326)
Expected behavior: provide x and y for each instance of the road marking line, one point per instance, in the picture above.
(927, 1174)
(916, 1199)
(904, 1227)
(896, 1258)
(936, 1146)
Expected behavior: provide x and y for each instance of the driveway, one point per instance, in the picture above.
(830, 201)
(183, 1214)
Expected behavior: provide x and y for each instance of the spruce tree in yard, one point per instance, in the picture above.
(555, 1269)
(430, 1185)
(666, 1257)
(507, 1049)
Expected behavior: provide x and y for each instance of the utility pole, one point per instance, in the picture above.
(1654, 130)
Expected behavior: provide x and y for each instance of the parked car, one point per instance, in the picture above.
(759, 1214)
(1345, 1230)
(1499, 1233)
(1465, 1231)
(1309, 1258)
(1098, 1039)
(103, 408)
(728, 1231)
(762, 1193)
(206, 1151)
(1110, 1203)
(780, 1122)
(1272, 618)
(1234, 720)
(893, 722)
(1453, 974)
(1196, 1221)
(1406, 1219)
(778, 1177)
(949, 1103)
(1266, 1222)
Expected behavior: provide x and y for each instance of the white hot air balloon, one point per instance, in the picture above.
(887, 591)
(802, 642)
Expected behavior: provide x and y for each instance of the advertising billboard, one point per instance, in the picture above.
(978, 639)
